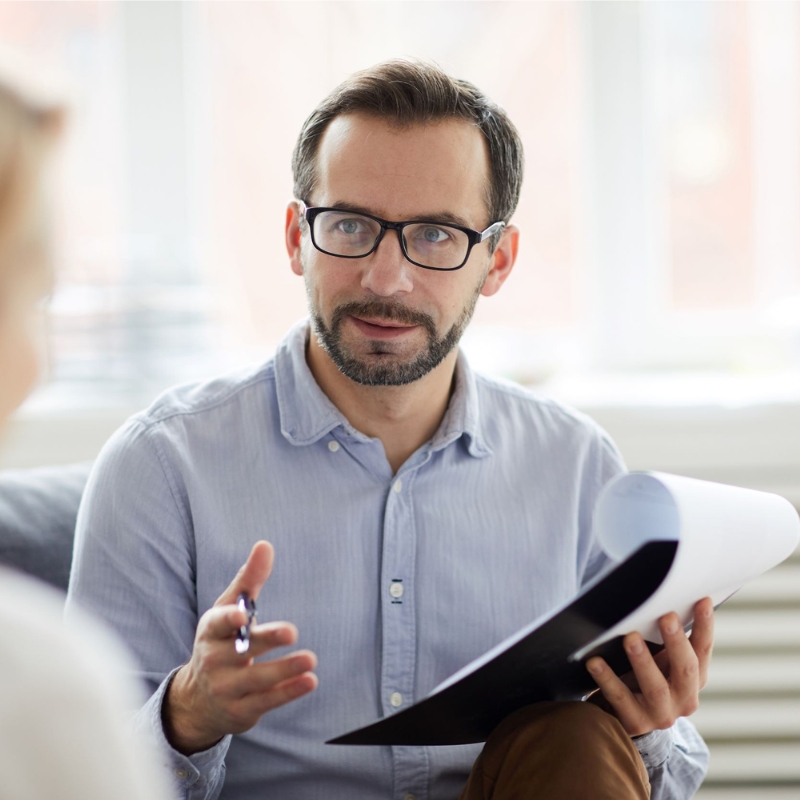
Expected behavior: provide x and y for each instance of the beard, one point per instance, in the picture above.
(383, 367)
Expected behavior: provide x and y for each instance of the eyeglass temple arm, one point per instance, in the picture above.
(492, 229)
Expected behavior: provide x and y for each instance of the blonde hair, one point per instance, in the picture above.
(30, 121)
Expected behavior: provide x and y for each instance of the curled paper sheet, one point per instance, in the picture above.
(726, 536)
(673, 541)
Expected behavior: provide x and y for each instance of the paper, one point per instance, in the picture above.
(726, 536)
(673, 540)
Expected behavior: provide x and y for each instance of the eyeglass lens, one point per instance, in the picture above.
(429, 244)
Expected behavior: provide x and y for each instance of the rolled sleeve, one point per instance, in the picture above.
(676, 760)
(196, 777)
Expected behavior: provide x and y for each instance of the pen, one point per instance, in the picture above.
(248, 605)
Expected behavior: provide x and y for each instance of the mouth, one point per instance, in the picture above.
(381, 328)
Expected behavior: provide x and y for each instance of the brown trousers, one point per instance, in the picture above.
(558, 751)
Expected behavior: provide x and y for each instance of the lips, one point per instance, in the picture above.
(381, 328)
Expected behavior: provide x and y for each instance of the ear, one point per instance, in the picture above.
(502, 261)
(294, 236)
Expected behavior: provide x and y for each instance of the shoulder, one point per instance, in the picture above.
(79, 719)
(190, 422)
(90, 662)
(207, 397)
(505, 405)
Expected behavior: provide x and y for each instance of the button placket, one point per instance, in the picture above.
(398, 645)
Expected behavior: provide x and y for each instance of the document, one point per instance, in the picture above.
(673, 541)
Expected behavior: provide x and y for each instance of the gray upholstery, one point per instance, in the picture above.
(38, 508)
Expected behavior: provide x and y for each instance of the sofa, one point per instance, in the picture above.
(38, 510)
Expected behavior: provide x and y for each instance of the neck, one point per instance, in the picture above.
(402, 417)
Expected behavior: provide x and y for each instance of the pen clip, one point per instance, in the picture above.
(248, 605)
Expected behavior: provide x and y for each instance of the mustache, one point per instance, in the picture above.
(386, 310)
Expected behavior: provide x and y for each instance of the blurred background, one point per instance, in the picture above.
(658, 284)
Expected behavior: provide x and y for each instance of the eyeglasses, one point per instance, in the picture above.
(428, 244)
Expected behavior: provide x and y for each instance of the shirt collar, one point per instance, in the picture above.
(306, 413)
(463, 417)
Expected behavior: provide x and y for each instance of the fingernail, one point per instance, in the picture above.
(595, 667)
(636, 646)
(284, 636)
(300, 688)
(671, 625)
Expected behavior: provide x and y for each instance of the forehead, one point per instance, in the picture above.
(402, 172)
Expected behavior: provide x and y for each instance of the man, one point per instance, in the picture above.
(419, 513)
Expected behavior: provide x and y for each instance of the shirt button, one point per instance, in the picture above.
(333, 446)
(396, 699)
(396, 589)
(398, 486)
(181, 773)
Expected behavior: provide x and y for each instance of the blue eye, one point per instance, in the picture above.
(350, 226)
(434, 235)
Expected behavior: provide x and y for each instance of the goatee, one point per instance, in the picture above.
(387, 369)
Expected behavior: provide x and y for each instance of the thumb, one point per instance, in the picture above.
(250, 578)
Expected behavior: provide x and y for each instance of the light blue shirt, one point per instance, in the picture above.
(485, 528)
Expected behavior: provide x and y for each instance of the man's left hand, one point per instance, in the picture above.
(662, 688)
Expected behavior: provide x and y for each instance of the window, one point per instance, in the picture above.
(659, 211)
(266, 66)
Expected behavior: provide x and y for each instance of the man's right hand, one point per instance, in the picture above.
(221, 691)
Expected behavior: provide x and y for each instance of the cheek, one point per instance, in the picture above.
(21, 358)
(327, 283)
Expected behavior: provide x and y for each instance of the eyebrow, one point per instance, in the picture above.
(442, 217)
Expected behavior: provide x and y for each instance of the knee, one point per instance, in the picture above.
(565, 749)
(579, 724)
(566, 726)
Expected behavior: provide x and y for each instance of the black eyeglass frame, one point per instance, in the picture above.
(474, 237)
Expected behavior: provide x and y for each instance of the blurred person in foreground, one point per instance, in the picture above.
(65, 726)
(419, 513)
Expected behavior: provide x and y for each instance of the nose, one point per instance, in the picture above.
(387, 271)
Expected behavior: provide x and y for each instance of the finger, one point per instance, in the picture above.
(683, 663)
(626, 707)
(261, 677)
(250, 578)
(280, 694)
(655, 690)
(220, 623)
(702, 637)
(218, 627)
(270, 635)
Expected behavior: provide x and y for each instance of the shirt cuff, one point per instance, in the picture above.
(195, 771)
(654, 747)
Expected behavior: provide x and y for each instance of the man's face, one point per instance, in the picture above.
(381, 319)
